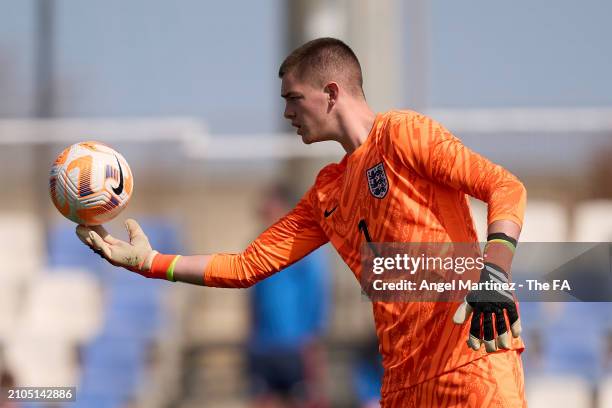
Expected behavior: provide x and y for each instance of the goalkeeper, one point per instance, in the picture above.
(404, 178)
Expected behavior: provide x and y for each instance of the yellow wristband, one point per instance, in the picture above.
(170, 271)
(504, 242)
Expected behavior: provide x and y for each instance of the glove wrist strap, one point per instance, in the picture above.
(491, 269)
(162, 267)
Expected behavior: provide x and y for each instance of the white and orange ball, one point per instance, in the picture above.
(90, 183)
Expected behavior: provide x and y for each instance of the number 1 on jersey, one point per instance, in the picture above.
(363, 227)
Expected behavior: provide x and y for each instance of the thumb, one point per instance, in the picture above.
(462, 313)
(136, 234)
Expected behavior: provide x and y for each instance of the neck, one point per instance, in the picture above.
(355, 126)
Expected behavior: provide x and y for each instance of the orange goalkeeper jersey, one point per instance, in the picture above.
(408, 182)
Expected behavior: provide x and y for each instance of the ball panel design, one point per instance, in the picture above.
(90, 183)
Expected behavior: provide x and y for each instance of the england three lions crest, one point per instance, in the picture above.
(377, 181)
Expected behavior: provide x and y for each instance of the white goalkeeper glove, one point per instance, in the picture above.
(135, 255)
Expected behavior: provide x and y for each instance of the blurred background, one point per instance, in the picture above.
(188, 92)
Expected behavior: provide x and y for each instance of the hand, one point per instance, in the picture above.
(490, 305)
(136, 256)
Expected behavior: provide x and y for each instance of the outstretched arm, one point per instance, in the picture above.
(288, 240)
(138, 256)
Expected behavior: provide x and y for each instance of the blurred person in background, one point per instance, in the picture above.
(404, 178)
(367, 372)
(289, 314)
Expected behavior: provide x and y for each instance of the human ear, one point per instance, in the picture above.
(332, 91)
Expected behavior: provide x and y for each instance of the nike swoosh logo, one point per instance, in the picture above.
(119, 189)
(328, 213)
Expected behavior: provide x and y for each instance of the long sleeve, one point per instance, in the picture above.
(287, 241)
(433, 152)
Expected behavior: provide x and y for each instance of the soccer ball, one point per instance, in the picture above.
(90, 183)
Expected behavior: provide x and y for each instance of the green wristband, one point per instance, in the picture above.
(170, 271)
(504, 242)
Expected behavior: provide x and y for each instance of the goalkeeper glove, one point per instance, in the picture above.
(135, 255)
(487, 306)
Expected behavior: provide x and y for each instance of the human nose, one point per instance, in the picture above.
(288, 114)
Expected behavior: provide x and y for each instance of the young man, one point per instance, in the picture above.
(404, 179)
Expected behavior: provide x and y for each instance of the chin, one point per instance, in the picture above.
(307, 140)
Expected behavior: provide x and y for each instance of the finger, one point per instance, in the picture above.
(101, 231)
(83, 233)
(501, 328)
(462, 313)
(503, 341)
(515, 322)
(474, 337)
(99, 244)
(136, 234)
(516, 328)
(489, 334)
